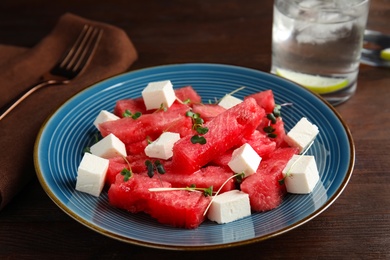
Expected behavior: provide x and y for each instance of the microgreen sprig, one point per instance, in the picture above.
(96, 139)
(197, 139)
(277, 112)
(197, 125)
(150, 166)
(236, 175)
(128, 113)
(206, 191)
(126, 173)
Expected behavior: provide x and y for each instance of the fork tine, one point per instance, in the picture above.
(70, 53)
(81, 51)
(88, 48)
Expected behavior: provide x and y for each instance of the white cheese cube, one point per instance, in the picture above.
(104, 116)
(162, 147)
(110, 146)
(302, 174)
(91, 174)
(157, 93)
(244, 160)
(229, 206)
(302, 134)
(229, 101)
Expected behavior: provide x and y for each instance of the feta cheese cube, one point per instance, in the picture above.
(302, 174)
(104, 116)
(91, 174)
(302, 134)
(229, 101)
(110, 146)
(157, 93)
(162, 147)
(245, 160)
(229, 206)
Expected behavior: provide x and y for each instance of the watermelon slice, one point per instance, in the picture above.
(207, 111)
(265, 191)
(188, 94)
(133, 195)
(261, 143)
(225, 131)
(183, 209)
(265, 99)
(214, 176)
(137, 104)
(133, 105)
(279, 131)
(130, 130)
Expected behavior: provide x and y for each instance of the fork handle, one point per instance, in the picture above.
(7, 108)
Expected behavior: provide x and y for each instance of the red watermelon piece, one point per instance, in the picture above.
(261, 143)
(208, 111)
(133, 105)
(222, 160)
(204, 178)
(114, 167)
(279, 132)
(137, 104)
(133, 195)
(183, 209)
(137, 147)
(225, 131)
(130, 130)
(265, 191)
(264, 99)
(188, 93)
(117, 164)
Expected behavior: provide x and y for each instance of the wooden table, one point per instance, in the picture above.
(356, 226)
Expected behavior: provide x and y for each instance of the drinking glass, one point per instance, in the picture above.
(317, 43)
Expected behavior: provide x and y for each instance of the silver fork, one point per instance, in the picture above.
(69, 66)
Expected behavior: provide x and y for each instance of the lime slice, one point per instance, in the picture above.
(318, 84)
(385, 54)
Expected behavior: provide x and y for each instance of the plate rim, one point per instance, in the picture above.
(102, 231)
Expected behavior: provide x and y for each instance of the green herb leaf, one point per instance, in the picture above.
(199, 121)
(159, 167)
(277, 110)
(196, 139)
(136, 115)
(162, 107)
(269, 129)
(189, 113)
(272, 118)
(128, 113)
(208, 191)
(87, 150)
(150, 168)
(126, 173)
(96, 139)
(202, 130)
(272, 135)
(239, 177)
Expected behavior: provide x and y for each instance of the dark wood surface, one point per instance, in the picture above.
(355, 226)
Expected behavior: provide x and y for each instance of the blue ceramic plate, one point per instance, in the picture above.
(70, 129)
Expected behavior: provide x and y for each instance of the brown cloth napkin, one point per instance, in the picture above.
(21, 67)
